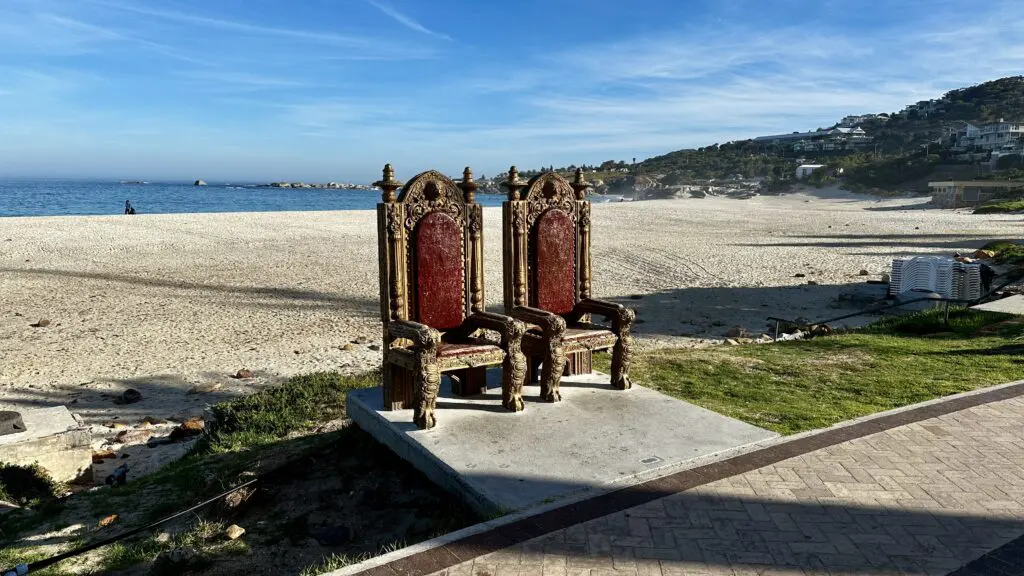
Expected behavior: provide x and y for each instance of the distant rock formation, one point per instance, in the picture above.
(199, 183)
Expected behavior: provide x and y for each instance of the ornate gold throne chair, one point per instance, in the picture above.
(432, 296)
(547, 282)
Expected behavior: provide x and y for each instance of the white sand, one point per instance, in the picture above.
(163, 302)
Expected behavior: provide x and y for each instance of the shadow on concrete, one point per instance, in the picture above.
(693, 531)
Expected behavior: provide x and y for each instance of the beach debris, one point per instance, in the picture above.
(101, 455)
(738, 332)
(192, 427)
(204, 388)
(129, 396)
(234, 532)
(243, 374)
(41, 323)
(107, 521)
(864, 273)
(138, 436)
(119, 476)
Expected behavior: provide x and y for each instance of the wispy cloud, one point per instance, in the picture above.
(404, 20)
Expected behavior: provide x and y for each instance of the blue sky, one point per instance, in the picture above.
(331, 89)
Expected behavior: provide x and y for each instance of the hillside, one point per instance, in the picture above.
(898, 151)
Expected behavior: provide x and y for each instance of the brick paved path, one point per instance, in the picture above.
(923, 498)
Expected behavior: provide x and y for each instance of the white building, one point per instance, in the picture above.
(993, 135)
(805, 170)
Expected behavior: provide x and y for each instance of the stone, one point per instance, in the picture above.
(162, 538)
(192, 427)
(348, 346)
(153, 420)
(374, 347)
(732, 342)
(812, 283)
(864, 273)
(237, 498)
(138, 436)
(54, 440)
(42, 323)
(101, 455)
(984, 254)
(799, 275)
(11, 423)
(886, 278)
(129, 396)
(243, 374)
(107, 521)
(115, 425)
(204, 388)
(738, 332)
(234, 532)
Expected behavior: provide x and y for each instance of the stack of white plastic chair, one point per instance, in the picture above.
(967, 281)
(928, 274)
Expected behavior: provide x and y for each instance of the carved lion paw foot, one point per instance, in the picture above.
(551, 396)
(622, 383)
(515, 404)
(425, 420)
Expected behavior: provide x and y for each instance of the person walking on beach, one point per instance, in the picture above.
(128, 208)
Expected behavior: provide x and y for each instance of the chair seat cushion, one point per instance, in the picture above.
(470, 347)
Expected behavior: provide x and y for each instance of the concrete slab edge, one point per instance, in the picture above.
(489, 525)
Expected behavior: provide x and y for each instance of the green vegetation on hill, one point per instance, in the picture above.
(906, 148)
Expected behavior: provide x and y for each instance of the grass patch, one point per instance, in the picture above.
(1002, 207)
(791, 387)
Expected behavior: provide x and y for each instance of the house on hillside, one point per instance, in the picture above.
(992, 135)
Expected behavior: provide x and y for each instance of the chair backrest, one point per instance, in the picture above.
(430, 248)
(546, 242)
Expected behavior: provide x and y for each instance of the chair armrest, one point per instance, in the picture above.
(552, 325)
(617, 313)
(508, 327)
(422, 336)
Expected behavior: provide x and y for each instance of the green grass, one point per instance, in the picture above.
(27, 486)
(1002, 207)
(791, 387)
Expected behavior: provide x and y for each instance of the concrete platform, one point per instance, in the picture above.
(594, 439)
(54, 440)
(1009, 305)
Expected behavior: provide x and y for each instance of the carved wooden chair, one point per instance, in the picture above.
(547, 282)
(432, 297)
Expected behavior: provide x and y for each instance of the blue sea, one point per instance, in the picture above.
(65, 197)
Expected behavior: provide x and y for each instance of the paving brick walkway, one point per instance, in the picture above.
(923, 498)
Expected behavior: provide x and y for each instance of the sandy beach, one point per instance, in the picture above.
(163, 303)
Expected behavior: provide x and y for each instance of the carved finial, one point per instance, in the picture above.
(388, 184)
(513, 184)
(468, 186)
(579, 185)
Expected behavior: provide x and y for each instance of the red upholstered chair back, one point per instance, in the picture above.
(554, 262)
(439, 272)
(430, 247)
(546, 243)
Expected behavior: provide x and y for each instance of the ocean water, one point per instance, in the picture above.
(59, 198)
